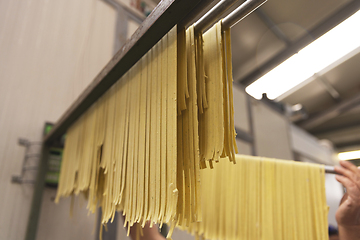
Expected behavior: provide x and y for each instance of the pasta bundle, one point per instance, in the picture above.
(205, 112)
(220, 141)
(122, 152)
(262, 198)
(188, 158)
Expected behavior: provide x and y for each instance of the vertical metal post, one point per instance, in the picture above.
(39, 186)
(251, 124)
(111, 232)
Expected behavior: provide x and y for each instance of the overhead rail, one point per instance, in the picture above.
(241, 12)
(231, 19)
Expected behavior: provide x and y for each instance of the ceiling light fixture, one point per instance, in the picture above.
(333, 45)
(349, 155)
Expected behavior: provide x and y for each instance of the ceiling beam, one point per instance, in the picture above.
(273, 26)
(334, 129)
(294, 47)
(347, 144)
(328, 87)
(330, 113)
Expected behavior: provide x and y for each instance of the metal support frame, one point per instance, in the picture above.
(241, 12)
(251, 124)
(24, 168)
(230, 20)
(328, 87)
(34, 215)
(111, 232)
(214, 13)
(294, 47)
(329, 169)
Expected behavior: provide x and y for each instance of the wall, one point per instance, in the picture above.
(49, 52)
(242, 118)
(307, 145)
(271, 132)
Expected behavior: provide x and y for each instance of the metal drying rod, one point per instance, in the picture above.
(230, 20)
(330, 169)
(241, 12)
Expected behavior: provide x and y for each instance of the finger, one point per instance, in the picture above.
(356, 171)
(342, 171)
(348, 165)
(346, 182)
(349, 170)
(347, 173)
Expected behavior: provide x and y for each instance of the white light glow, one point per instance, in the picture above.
(313, 58)
(349, 155)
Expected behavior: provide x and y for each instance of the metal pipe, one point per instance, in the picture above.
(241, 12)
(212, 15)
(234, 17)
(329, 169)
(34, 216)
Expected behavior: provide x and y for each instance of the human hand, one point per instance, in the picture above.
(348, 213)
(149, 233)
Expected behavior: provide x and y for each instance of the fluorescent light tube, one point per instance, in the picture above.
(349, 155)
(333, 45)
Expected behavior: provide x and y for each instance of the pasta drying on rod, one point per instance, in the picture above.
(263, 198)
(217, 105)
(122, 153)
(160, 146)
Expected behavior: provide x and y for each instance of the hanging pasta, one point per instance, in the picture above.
(263, 198)
(188, 135)
(216, 123)
(122, 153)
